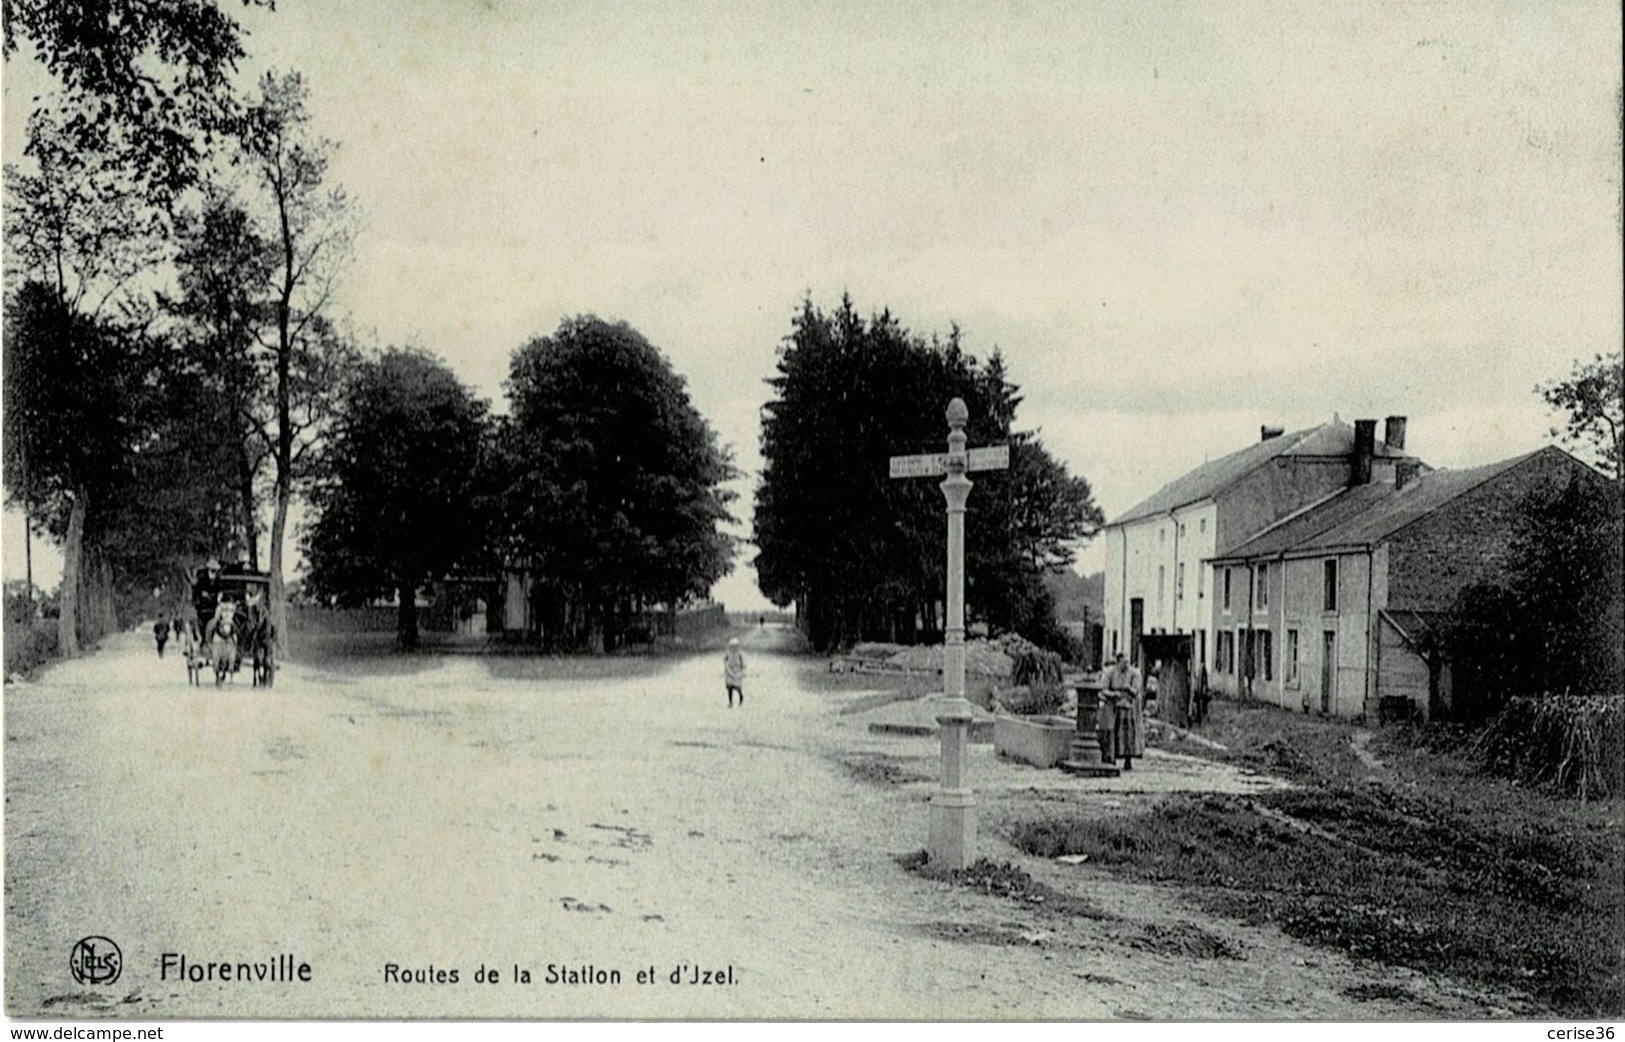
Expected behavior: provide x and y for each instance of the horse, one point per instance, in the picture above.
(259, 637)
(191, 651)
(224, 652)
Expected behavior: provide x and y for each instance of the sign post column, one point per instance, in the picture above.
(953, 806)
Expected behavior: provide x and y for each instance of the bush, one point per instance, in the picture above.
(21, 608)
(1575, 743)
(29, 645)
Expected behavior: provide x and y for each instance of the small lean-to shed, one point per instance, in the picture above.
(1172, 656)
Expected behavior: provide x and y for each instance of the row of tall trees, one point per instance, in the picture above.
(173, 248)
(602, 482)
(177, 374)
(863, 556)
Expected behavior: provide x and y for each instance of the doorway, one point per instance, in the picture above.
(1328, 670)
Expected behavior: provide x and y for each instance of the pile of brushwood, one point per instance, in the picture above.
(1036, 674)
(1573, 743)
(1037, 699)
(1031, 664)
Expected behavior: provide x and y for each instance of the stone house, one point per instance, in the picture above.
(1335, 608)
(1159, 575)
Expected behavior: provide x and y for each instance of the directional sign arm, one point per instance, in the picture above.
(925, 466)
(993, 457)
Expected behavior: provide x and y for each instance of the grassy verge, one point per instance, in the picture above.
(29, 645)
(1002, 879)
(1305, 749)
(1426, 866)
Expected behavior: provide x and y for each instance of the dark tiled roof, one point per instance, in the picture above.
(1416, 627)
(1332, 438)
(1302, 527)
(1213, 476)
(1367, 514)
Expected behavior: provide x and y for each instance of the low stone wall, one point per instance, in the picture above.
(1042, 741)
(691, 622)
(306, 618)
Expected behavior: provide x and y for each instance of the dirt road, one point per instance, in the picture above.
(389, 829)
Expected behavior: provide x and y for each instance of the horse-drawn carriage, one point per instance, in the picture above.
(232, 623)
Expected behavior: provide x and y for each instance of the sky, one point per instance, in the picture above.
(1177, 221)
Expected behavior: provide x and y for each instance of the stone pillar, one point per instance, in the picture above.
(953, 807)
(1086, 758)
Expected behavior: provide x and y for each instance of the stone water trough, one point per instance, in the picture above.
(1042, 741)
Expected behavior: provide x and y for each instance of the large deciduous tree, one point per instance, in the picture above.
(309, 226)
(78, 219)
(143, 92)
(612, 489)
(77, 229)
(394, 495)
(224, 267)
(863, 556)
(69, 433)
(1593, 397)
(145, 82)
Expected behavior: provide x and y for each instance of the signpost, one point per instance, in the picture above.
(996, 457)
(953, 806)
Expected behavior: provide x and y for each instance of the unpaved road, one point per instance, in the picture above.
(445, 819)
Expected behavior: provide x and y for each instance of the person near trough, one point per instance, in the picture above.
(1128, 731)
(733, 672)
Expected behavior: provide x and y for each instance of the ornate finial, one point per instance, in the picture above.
(957, 414)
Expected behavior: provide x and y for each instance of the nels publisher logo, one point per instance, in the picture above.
(96, 960)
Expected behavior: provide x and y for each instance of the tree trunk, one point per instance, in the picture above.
(284, 454)
(278, 595)
(284, 420)
(73, 547)
(595, 629)
(28, 556)
(97, 610)
(245, 490)
(406, 620)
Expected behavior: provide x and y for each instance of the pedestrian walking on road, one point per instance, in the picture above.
(733, 672)
(160, 633)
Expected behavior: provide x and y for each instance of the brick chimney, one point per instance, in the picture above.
(1365, 445)
(1405, 472)
(1266, 432)
(1393, 433)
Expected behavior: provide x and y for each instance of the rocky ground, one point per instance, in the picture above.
(446, 813)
